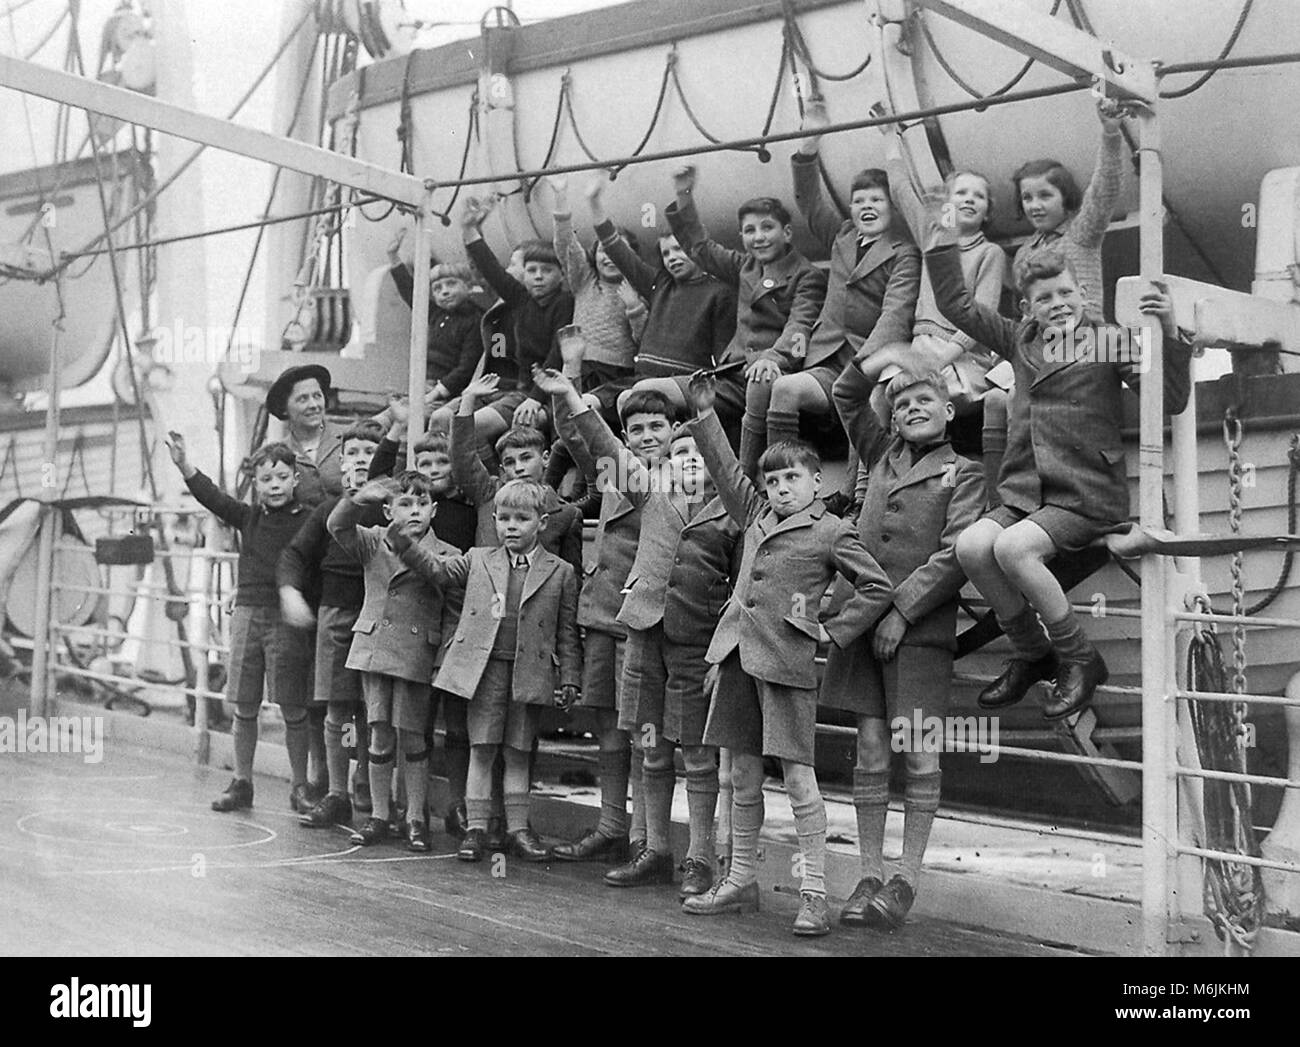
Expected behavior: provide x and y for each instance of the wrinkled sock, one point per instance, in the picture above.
(336, 758)
(381, 785)
(417, 785)
(478, 788)
(753, 442)
(613, 769)
(871, 805)
(363, 750)
(1025, 632)
(517, 788)
(1069, 639)
(317, 757)
(477, 812)
(810, 826)
(637, 793)
(781, 425)
(657, 793)
(746, 822)
(701, 802)
(455, 755)
(244, 731)
(516, 811)
(920, 802)
(297, 743)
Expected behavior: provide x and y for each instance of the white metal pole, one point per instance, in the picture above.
(419, 331)
(42, 634)
(1156, 778)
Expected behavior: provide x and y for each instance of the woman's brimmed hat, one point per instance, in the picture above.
(277, 397)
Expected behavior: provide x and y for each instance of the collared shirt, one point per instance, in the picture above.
(524, 560)
(864, 245)
(320, 471)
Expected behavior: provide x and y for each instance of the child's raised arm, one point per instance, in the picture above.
(568, 248)
(981, 322)
(345, 517)
(852, 395)
(738, 493)
(685, 222)
(636, 271)
(221, 505)
(1090, 223)
(449, 573)
(824, 221)
(468, 472)
(898, 308)
(507, 288)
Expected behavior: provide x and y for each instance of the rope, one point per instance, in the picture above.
(956, 77)
(1233, 891)
(49, 35)
(1205, 77)
(800, 46)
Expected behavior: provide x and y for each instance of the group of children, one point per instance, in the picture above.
(721, 565)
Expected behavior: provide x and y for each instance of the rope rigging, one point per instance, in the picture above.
(956, 77)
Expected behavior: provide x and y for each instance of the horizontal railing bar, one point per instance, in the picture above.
(172, 553)
(1236, 776)
(1232, 619)
(1250, 699)
(1239, 859)
(109, 634)
(136, 683)
(185, 595)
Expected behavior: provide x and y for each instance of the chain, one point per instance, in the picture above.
(1233, 436)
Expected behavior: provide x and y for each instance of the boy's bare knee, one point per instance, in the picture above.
(699, 757)
(922, 763)
(659, 756)
(800, 782)
(873, 745)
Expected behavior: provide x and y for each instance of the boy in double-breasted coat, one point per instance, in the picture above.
(920, 496)
(765, 646)
(515, 651)
(394, 642)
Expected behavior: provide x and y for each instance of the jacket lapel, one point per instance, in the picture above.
(877, 254)
(803, 518)
(538, 571)
(497, 562)
(773, 278)
(936, 463)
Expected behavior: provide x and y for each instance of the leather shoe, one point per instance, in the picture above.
(889, 908)
(456, 822)
(854, 913)
(417, 836)
(648, 867)
(697, 877)
(237, 797)
(1075, 685)
(300, 798)
(724, 896)
(361, 797)
(814, 918)
(373, 830)
(636, 848)
(525, 844)
(472, 847)
(1017, 677)
(497, 839)
(593, 846)
(330, 810)
(318, 791)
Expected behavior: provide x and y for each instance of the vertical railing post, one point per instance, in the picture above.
(202, 633)
(1157, 832)
(42, 638)
(419, 332)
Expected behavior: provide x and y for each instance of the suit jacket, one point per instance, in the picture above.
(1063, 427)
(562, 533)
(683, 566)
(868, 303)
(618, 530)
(398, 630)
(320, 475)
(911, 518)
(547, 652)
(785, 570)
(776, 305)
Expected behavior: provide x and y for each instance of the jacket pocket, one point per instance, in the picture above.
(1112, 458)
(806, 626)
(365, 625)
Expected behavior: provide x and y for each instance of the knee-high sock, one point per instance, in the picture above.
(725, 805)
(296, 741)
(478, 786)
(920, 802)
(244, 731)
(416, 773)
(317, 755)
(487, 452)
(498, 787)
(637, 792)
(381, 785)
(657, 783)
(456, 760)
(399, 779)
(363, 750)
(746, 822)
(1025, 632)
(336, 756)
(753, 442)
(516, 786)
(871, 805)
(701, 802)
(781, 425)
(810, 825)
(613, 767)
(1068, 638)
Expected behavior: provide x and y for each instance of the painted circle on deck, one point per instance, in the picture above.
(113, 827)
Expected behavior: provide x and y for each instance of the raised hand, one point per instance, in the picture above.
(474, 212)
(176, 448)
(815, 121)
(399, 410)
(684, 179)
(377, 491)
(551, 382)
(704, 391)
(573, 346)
(627, 294)
(596, 188)
(528, 413)
(482, 386)
(560, 190)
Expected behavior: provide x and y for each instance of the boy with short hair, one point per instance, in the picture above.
(1063, 482)
(765, 647)
(647, 424)
(920, 496)
(311, 560)
(264, 648)
(454, 342)
(395, 640)
(515, 651)
(676, 588)
(779, 296)
(540, 303)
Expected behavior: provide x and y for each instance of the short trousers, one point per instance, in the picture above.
(494, 718)
(760, 718)
(403, 703)
(1068, 530)
(602, 670)
(505, 403)
(916, 679)
(663, 689)
(264, 648)
(335, 682)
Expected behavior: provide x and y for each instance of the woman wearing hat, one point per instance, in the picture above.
(298, 399)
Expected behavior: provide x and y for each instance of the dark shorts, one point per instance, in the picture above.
(455, 713)
(825, 375)
(602, 669)
(403, 703)
(505, 403)
(494, 718)
(335, 682)
(915, 679)
(263, 648)
(1068, 530)
(760, 718)
(663, 689)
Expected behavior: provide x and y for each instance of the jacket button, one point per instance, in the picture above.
(414, 631)
(758, 576)
(892, 507)
(749, 603)
(677, 559)
(884, 537)
(385, 622)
